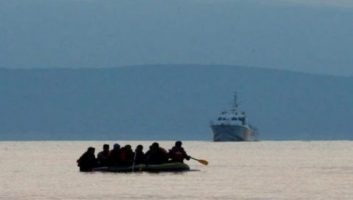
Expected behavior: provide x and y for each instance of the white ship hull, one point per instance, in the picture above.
(232, 133)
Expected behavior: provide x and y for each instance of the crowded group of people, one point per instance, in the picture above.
(125, 156)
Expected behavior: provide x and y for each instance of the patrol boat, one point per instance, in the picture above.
(232, 125)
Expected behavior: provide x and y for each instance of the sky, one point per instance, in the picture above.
(338, 3)
(313, 36)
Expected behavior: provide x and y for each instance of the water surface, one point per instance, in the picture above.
(266, 170)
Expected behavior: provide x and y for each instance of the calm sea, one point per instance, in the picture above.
(267, 170)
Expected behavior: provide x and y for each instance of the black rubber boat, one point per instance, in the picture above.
(165, 167)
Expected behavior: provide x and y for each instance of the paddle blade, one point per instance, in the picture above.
(204, 162)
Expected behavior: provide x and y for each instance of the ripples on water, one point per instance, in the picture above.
(245, 171)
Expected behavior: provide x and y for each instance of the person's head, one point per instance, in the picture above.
(139, 147)
(106, 147)
(116, 146)
(128, 147)
(90, 150)
(155, 145)
(178, 143)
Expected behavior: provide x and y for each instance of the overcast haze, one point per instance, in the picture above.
(309, 36)
(169, 102)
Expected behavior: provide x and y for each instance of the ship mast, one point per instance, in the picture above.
(235, 103)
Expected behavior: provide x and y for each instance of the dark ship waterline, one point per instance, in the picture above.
(232, 125)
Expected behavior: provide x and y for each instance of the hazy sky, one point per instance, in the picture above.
(304, 35)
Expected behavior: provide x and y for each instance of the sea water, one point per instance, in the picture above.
(266, 170)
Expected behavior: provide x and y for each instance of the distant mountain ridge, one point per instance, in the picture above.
(170, 102)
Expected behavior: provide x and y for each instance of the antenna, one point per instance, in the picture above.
(235, 100)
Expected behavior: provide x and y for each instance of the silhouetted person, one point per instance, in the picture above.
(114, 155)
(126, 156)
(87, 161)
(156, 155)
(177, 153)
(103, 156)
(139, 156)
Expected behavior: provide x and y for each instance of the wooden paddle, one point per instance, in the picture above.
(204, 162)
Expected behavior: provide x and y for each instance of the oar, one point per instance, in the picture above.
(204, 162)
